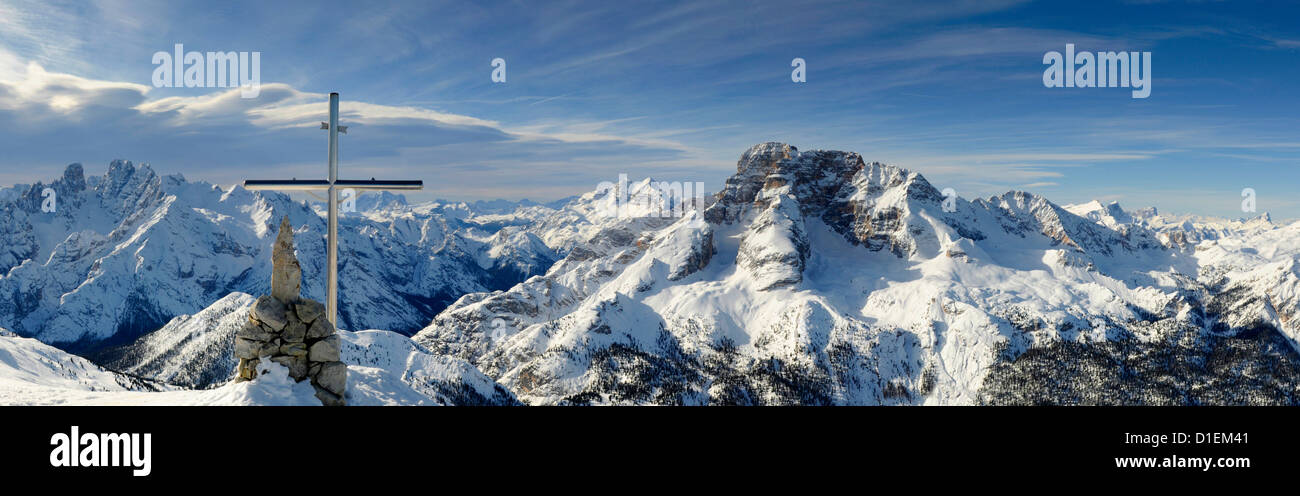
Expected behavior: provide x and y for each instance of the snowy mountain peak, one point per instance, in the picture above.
(1107, 214)
(758, 158)
(380, 200)
(818, 277)
(128, 250)
(886, 207)
(770, 169)
(74, 177)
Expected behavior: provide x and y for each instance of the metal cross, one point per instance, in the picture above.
(332, 206)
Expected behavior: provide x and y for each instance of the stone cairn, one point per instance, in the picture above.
(292, 331)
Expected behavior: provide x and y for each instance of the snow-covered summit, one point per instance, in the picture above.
(818, 277)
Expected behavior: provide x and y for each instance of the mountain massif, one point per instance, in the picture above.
(812, 277)
(821, 278)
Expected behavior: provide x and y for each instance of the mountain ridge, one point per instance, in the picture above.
(127, 251)
(833, 280)
(816, 277)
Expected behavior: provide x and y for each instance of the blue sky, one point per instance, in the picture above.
(671, 90)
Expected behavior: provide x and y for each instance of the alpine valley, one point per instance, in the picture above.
(811, 278)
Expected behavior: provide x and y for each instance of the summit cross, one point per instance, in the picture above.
(332, 186)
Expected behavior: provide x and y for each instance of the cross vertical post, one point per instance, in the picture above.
(331, 187)
(332, 248)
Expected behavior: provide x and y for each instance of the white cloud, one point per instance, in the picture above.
(218, 136)
(40, 95)
(278, 106)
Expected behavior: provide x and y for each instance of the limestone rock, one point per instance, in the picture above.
(268, 329)
(248, 349)
(247, 369)
(270, 312)
(254, 331)
(286, 273)
(294, 332)
(319, 329)
(293, 349)
(325, 350)
(297, 365)
(329, 399)
(309, 310)
(270, 348)
(333, 376)
(775, 248)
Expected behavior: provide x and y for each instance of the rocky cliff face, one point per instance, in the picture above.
(775, 247)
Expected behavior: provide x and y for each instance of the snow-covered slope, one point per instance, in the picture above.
(819, 278)
(193, 351)
(383, 365)
(126, 252)
(384, 368)
(29, 369)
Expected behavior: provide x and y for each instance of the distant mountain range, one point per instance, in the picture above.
(127, 251)
(813, 277)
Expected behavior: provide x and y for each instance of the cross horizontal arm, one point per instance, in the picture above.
(287, 184)
(378, 184)
(321, 184)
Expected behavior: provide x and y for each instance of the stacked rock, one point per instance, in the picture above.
(292, 331)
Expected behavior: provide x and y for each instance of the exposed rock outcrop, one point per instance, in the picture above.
(775, 247)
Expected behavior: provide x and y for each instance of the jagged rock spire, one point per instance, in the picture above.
(286, 273)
